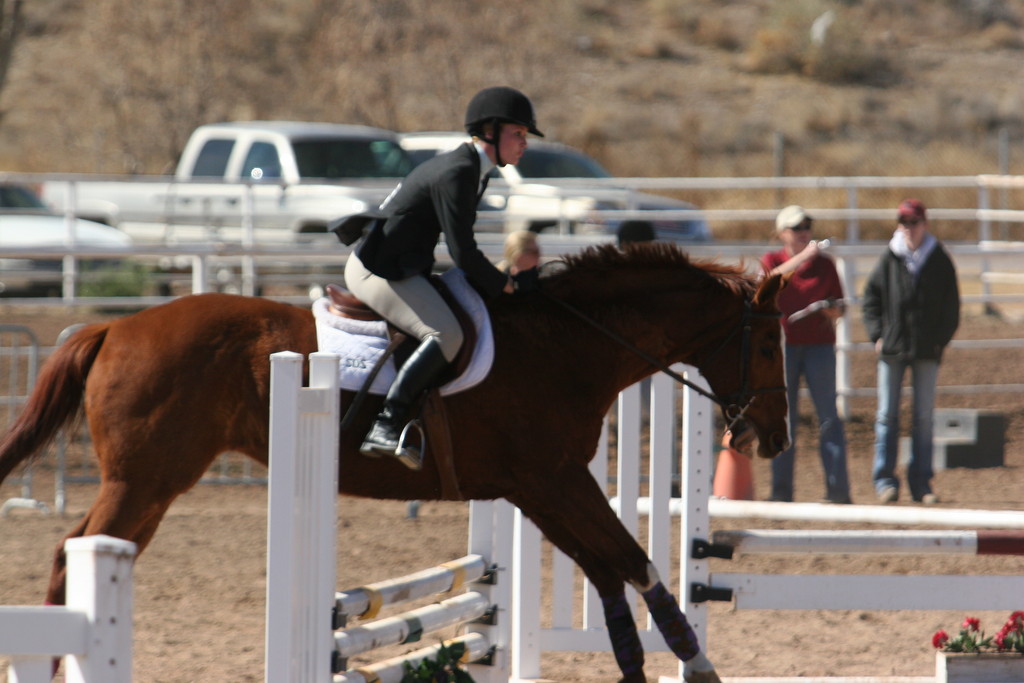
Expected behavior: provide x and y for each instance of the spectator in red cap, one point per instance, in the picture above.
(911, 310)
(815, 292)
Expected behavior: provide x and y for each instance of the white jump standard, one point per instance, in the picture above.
(303, 609)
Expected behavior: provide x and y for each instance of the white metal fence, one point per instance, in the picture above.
(990, 274)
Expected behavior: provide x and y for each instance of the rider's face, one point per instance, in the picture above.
(512, 142)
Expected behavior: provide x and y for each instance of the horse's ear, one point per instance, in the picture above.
(769, 288)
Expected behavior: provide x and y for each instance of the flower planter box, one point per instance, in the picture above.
(989, 667)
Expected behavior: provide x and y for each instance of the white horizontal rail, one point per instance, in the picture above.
(441, 579)
(872, 592)
(35, 178)
(955, 344)
(672, 182)
(47, 630)
(841, 542)
(866, 514)
(975, 260)
(768, 215)
(315, 248)
(785, 182)
(410, 626)
(861, 514)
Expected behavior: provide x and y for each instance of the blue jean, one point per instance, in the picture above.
(924, 376)
(817, 364)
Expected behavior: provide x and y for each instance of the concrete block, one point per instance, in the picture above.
(964, 438)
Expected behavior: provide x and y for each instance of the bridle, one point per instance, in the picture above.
(735, 405)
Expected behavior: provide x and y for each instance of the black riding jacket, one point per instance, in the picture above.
(914, 320)
(440, 195)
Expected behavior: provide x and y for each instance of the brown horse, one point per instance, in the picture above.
(168, 389)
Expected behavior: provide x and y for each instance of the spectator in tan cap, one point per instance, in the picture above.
(810, 349)
(911, 311)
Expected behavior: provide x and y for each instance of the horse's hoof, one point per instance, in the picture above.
(634, 678)
(703, 677)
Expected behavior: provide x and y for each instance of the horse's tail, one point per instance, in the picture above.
(55, 400)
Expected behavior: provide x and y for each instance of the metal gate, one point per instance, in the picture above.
(19, 365)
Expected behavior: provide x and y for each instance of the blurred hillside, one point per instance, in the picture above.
(651, 88)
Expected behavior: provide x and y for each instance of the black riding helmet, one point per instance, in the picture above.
(498, 105)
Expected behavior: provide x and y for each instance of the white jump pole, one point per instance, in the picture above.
(396, 630)
(863, 514)
(440, 579)
(868, 514)
(878, 541)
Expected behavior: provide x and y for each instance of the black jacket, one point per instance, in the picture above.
(440, 195)
(915, 321)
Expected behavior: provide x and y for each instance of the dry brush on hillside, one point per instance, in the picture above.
(653, 88)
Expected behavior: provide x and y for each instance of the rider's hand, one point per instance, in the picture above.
(527, 280)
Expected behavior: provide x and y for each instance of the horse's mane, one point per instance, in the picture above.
(595, 264)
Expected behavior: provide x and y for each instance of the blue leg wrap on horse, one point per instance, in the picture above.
(672, 623)
(629, 653)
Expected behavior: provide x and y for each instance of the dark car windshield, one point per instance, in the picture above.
(544, 163)
(358, 158)
(17, 197)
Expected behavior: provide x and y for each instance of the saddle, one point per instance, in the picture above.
(435, 432)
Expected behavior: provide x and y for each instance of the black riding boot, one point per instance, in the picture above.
(415, 377)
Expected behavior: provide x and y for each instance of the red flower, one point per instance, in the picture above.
(971, 638)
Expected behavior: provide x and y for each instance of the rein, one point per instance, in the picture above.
(733, 412)
(631, 347)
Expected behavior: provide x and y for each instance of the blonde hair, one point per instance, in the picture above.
(515, 244)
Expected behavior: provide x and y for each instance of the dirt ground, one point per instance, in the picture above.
(199, 587)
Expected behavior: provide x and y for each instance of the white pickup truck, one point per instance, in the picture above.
(258, 181)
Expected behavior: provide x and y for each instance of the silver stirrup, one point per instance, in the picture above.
(411, 457)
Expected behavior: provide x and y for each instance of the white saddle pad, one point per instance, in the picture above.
(360, 343)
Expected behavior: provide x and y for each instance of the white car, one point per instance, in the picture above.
(535, 205)
(27, 223)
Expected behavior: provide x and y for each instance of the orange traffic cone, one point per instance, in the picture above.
(734, 478)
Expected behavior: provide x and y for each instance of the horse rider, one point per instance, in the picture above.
(389, 268)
